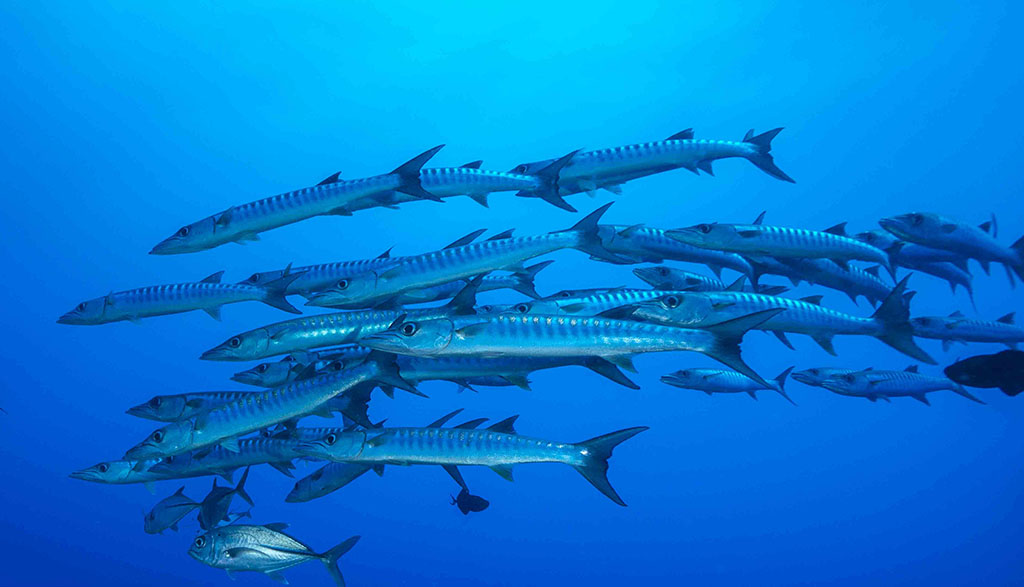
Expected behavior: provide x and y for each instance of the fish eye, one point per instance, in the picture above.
(316, 476)
(337, 366)
(331, 439)
(684, 373)
(158, 436)
(262, 368)
(183, 231)
(81, 307)
(812, 371)
(200, 542)
(848, 378)
(672, 301)
(522, 308)
(564, 294)
(155, 402)
(916, 219)
(521, 168)
(254, 278)
(343, 284)
(705, 228)
(409, 328)
(663, 271)
(487, 308)
(235, 342)
(103, 467)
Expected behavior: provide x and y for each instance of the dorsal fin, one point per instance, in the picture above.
(683, 135)
(1007, 319)
(748, 136)
(471, 424)
(838, 230)
(986, 226)
(760, 218)
(332, 178)
(276, 526)
(444, 419)
(472, 164)
(215, 278)
(466, 239)
(911, 369)
(465, 300)
(816, 300)
(180, 491)
(957, 314)
(501, 235)
(506, 426)
(385, 255)
(630, 230)
(737, 285)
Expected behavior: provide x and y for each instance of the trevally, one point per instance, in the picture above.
(208, 295)
(168, 512)
(214, 508)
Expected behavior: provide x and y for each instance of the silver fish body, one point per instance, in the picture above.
(959, 328)
(712, 381)
(940, 232)
(908, 383)
(643, 244)
(168, 512)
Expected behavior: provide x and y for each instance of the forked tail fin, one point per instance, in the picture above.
(780, 385)
(726, 338)
(523, 280)
(331, 557)
(763, 158)
(548, 190)
(893, 316)
(240, 490)
(276, 290)
(597, 452)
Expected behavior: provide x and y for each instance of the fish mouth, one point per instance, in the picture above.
(645, 274)
(310, 449)
(69, 318)
(138, 412)
(83, 475)
(671, 379)
(381, 341)
(323, 300)
(246, 377)
(806, 380)
(142, 452)
(217, 354)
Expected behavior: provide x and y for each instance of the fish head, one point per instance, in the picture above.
(207, 549)
(707, 236)
(94, 311)
(241, 347)
(191, 238)
(879, 239)
(533, 307)
(420, 338)
(681, 378)
(350, 292)
(849, 383)
(815, 376)
(335, 445)
(933, 325)
(495, 308)
(106, 472)
(918, 226)
(263, 277)
(678, 309)
(266, 374)
(532, 167)
(169, 465)
(169, 440)
(665, 277)
(163, 408)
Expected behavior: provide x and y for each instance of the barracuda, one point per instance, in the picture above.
(122, 472)
(642, 244)
(852, 281)
(589, 304)
(278, 452)
(759, 239)
(208, 295)
(498, 447)
(670, 278)
(516, 335)
(959, 328)
(887, 384)
(223, 425)
(326, 330)
(175, 408)
(816, 376)
(975, 242)
(447, 265)
(888, 324)
(910, 255)
(712, 381)
(590, 170)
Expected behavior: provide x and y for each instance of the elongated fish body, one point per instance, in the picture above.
(331, 196)
(712, 381)
(470, 371)
(515, 281)
(222, 425)
(456, 263)
(940, 232)
(278, 452)
(950, 273)
(909, 255)
(122, 472)
(818, 375)
(604, 166)
(160, 300)
(175, 408)
(959, 328)
(499, 447)
(778, 242)
(273, 374)
(642, 244)
(589, 304)
(314, 278)
(327, 479)
(881, 383)
(168, 512)
(672, 279)
(263, 549)
(853, 281)
(310, 332)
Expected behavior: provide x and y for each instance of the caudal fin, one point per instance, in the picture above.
(548, 190)
(598, 451)
(780, 385)
(589, 237)
(959, 390)
(409, 174)
(331, 557)
(240, 490)
(387, 372)
(763, 158)
(523, 280)
(276, 290)
(725, 345)
(1018, 248)
(894, 318)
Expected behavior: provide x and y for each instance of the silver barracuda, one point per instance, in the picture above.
(518, 335)
(888, 384)
(762, 240)
(224, 424)
(643, 244)
(712, 381)
(294, 366)
(591, 304)
(498, 447)
(373, 288)
(607, 168)
(817, 375)
(910, 255)
(889, 324)
(852, 281)
(951, 274)
(166, 514)
(671, 278)
(263, 549)
(278, 451)
(208, 295)
(122, 472)
(325, 330)
(975, 242)
(957, 328)
(243, 223)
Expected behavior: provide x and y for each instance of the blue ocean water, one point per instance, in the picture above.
(124, 121)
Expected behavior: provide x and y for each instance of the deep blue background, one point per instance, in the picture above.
(122, 123)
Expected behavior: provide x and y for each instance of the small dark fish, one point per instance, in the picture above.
(1004, 370)
(214, 508)
(469, 503)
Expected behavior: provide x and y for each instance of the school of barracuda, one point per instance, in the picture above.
(327, 363)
